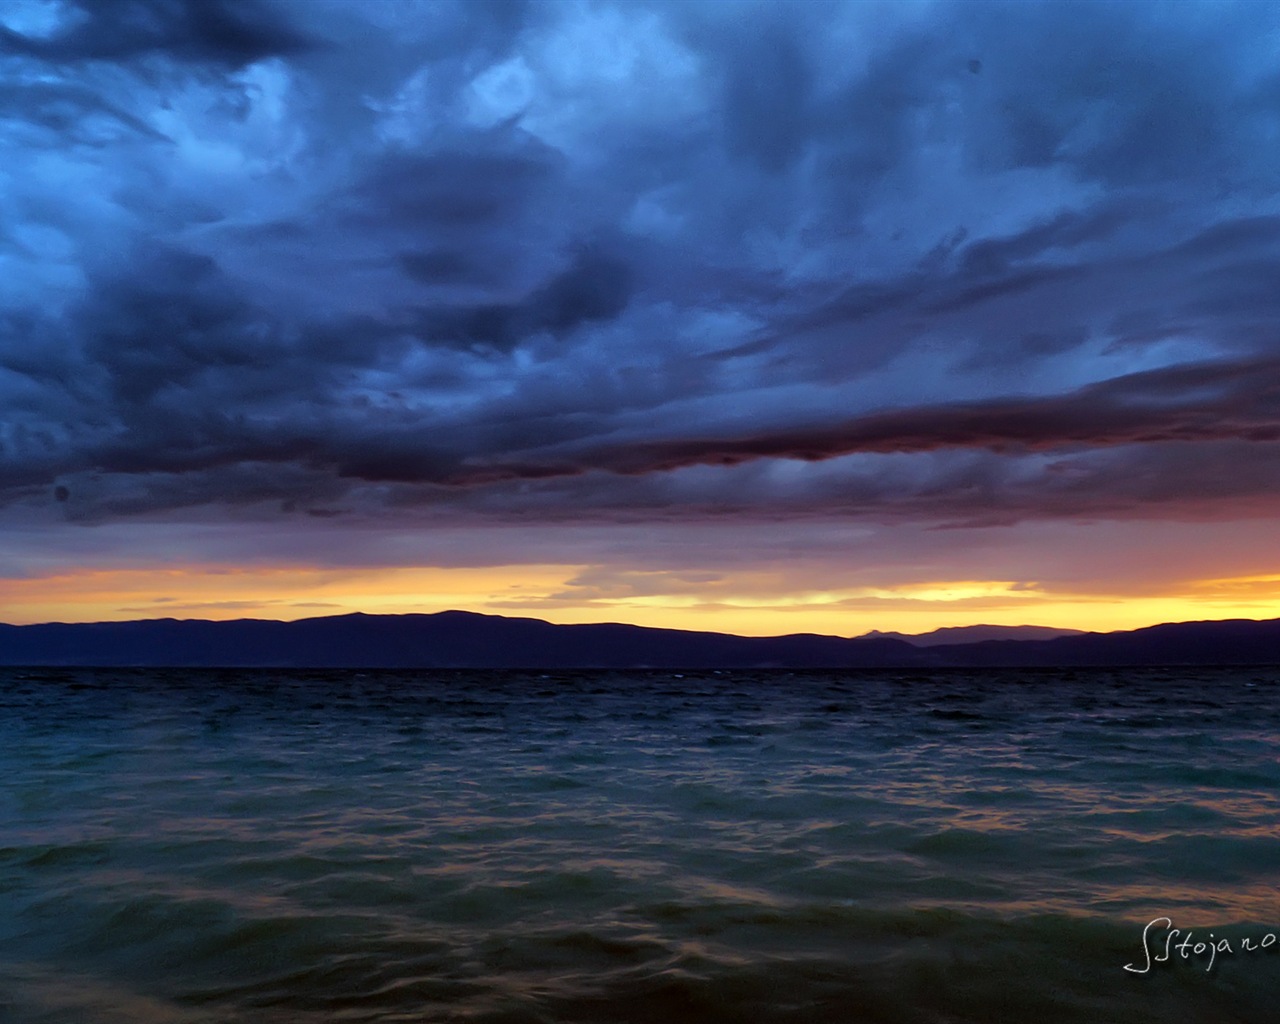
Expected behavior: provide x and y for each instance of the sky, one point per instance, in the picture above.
(754, 317)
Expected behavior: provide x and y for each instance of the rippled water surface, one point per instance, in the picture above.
(609, 847)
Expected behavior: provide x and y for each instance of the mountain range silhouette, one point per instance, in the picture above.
(457, 639)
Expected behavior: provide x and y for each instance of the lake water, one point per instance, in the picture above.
(638, 847)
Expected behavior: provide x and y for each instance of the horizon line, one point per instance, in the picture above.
(870, 634)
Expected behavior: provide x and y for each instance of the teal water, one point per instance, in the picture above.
(608, 847)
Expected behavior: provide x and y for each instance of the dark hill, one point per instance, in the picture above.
(467, 640)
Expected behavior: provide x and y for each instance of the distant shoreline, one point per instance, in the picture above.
(468, 640)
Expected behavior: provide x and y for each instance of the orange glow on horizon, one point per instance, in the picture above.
(758, 604)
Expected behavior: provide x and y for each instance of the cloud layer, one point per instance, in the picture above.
(950, 263)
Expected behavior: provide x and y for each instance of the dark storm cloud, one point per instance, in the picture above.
(767, 92)
(1197, 403)
(462, 188)
(67, 111)
(162, 329)
(1126, 99)
(1185, 403)
(442, 266)
(558, 261)
(228, 32)
(1037, 293)
(594, 287)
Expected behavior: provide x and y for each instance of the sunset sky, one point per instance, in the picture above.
(755, 317)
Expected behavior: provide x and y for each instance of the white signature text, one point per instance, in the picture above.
(1190, 945)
